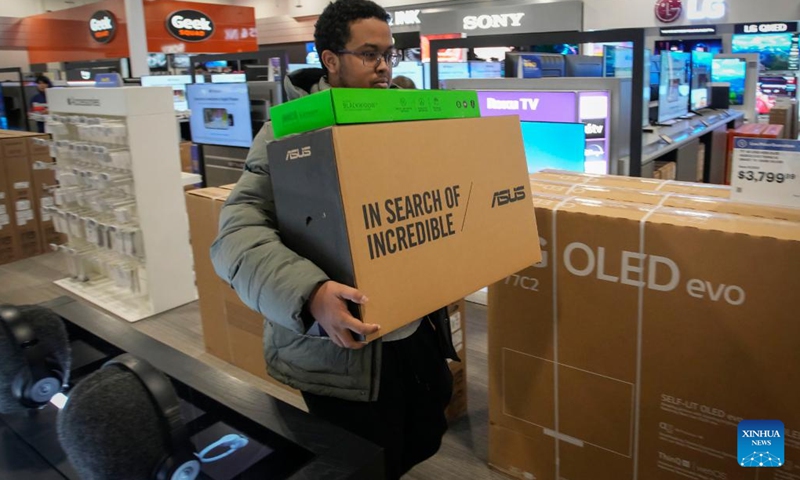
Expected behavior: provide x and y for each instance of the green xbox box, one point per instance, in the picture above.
(343, 106)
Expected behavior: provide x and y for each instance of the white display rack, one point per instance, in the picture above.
(118, 163)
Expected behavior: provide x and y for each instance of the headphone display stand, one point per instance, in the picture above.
(129, 255)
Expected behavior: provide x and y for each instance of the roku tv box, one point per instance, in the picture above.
(344, 106)
(414, 225)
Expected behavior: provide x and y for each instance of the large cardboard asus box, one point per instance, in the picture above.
(414, 214)
(234, 333)
(344, 106)
(644, 336)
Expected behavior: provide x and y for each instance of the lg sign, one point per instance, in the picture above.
(190, 25)
(102, 26)
(669, 11)
(486, 22)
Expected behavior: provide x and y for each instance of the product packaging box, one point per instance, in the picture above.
(9, 249)
(674, 200)
(413, 224)
(458, 328)
(342, 106)
(651, 184)
(642, 339)
(14, 157)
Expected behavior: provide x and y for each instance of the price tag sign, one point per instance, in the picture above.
(766, 171)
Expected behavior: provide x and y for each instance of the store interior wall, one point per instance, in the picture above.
(14, 58)
(609, 14)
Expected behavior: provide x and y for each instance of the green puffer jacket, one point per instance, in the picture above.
(275, 281)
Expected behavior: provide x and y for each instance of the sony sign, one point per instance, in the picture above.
(486, 22)
(706, 9)
(405, 17)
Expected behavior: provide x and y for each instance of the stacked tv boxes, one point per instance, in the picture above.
(26, 179)
(661, 315)
(388, 203)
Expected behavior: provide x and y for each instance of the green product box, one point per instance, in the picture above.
(342, 106)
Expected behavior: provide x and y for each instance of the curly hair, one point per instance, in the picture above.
(332, 30)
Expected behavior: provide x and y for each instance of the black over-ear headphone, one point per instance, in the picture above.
(42, 376)
(180, 463)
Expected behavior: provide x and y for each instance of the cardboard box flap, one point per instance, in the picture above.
(214, 193)
(703, 189)
(666, 199)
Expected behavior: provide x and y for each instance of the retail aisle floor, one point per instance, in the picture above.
(464, 449)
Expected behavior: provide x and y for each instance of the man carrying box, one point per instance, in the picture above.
(392, 391)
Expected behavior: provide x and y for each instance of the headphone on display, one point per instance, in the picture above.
(43, 375)
(180, 463)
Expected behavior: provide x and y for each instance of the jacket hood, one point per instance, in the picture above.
(304, 82)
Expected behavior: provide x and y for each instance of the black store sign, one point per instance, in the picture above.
(103, 26)
(190, 25)
(773, 27)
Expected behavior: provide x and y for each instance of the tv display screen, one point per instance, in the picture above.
(486, 70)
(181, 60)
(447, 71)
(554, 145)
(3, 117)
(701, 77)
(560, 48)
(412, 70)
(617, 61)
(772, 87)
(732, 71)
(178, 84)
(673, 88)
(777, 51)
(710, 45)
(157, 61)
(220, 114)
(228, 78)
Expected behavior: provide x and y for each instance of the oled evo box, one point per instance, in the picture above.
(413, 225)
(344, 106)
(642, 339)
(666, 186)
(674, 200)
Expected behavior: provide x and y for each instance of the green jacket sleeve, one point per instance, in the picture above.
(248, 252)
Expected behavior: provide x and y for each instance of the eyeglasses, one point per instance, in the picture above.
(373, 59)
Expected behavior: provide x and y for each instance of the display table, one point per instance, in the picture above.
(680, 143)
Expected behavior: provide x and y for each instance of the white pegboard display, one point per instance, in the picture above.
(120, 199)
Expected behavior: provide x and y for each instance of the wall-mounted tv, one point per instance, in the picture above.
(777, 51)
(710, 45)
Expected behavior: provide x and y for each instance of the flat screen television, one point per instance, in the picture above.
(777, 51)
(220, 114)
(3, 117)
(178, 84)
(560, 48)
(447, 71)
(157, 61)
(486, 70)
(583, 66)
(710, 45)
(731, 71)
(702, 69)
(772, 87)
(554, 145)
(617, 61)
(673, 88)
(412, 70)
(181, 60)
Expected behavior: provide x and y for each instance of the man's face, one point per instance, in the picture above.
(42, 86)
(347, 70)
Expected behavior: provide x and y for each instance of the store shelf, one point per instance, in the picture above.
(106, 295)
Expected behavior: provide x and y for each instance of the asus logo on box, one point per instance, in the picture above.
(486, 22)
(296, 153)
(504, 197)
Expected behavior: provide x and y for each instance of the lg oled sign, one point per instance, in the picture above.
(669, 11)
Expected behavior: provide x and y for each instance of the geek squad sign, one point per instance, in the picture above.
(103, 26)
(190, 25)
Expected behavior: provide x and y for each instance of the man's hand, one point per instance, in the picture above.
(327, 306)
